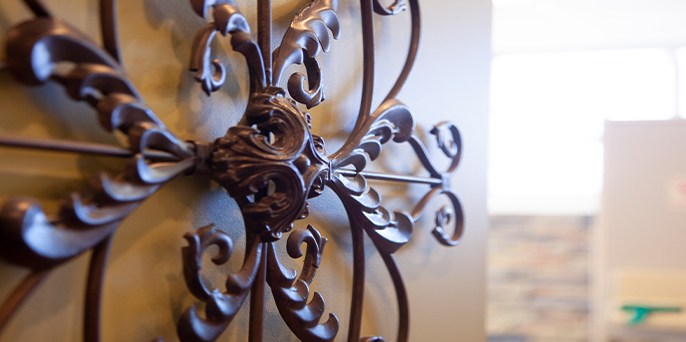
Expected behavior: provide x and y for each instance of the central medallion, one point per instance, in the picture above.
(271, 163)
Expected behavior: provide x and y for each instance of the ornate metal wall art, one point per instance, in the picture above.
(270, 163)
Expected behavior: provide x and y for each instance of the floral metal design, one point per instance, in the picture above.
(270, 163)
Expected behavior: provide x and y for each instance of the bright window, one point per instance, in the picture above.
(547, 116)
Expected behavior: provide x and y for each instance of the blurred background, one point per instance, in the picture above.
(587, 175)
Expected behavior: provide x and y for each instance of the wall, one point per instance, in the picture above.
(144, 292)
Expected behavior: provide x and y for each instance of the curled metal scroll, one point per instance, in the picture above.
(270, 163)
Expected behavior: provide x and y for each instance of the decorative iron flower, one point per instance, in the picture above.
(270, 163)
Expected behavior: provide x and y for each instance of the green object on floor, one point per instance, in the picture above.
(641, 312)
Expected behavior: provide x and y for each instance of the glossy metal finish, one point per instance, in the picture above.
(270, 163)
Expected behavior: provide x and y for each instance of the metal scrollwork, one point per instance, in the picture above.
(270, 163)
(227, 20)
(291, 294)
(306, 37)
(220, 307)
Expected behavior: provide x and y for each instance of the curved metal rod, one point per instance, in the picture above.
(108, 28)
(368, 63)
(19, 295)
(411, 53)
(418, 210)
(439, 232)
(357, 298)
(423, 155)
(443, 217)
(364, 114)
(401, 295)
(37, 8)
(94, 285)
